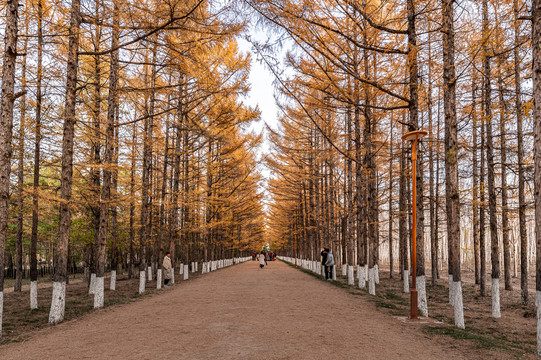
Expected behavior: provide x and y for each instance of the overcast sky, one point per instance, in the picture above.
(261, 95)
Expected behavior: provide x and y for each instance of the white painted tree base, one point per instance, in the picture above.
(142, 280)
(99, 292)
(458, 305)
(371, 282)
(358, 271)
(406, 281)
(351, 279)
(197, 266)
(159, 279)
(496, 314)
(203, 268)
(344, 269)
(362, 279)
(92, 284)
(376, 274)
(451, 292)
(58, 302)
(149, 273)
(172, 280)
(421, 295)
(538, 306)
(365, 270)
(112, 282)
(186, 272)
(334, 272)
(181, 269)
(33, 295)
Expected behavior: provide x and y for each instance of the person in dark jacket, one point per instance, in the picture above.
(329, 265)
(324, 253)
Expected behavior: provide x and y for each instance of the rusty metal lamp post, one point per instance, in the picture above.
(414, 137)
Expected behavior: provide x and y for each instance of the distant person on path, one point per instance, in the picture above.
(324, 253)
(166, 268)
(262, 260)
(329, 265)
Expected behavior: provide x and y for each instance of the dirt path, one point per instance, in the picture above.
(240, 312)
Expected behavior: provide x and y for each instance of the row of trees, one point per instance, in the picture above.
(126, 130)
(362, 73)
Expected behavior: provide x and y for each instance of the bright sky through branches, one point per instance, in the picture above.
(261, 95)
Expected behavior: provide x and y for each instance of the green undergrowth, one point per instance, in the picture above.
(481, 339)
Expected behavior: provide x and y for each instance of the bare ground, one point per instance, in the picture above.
(242, 312)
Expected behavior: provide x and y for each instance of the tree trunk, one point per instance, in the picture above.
(391, 259)
(144, 233)
(37, 155)
(482, 228)
(163, 221)
(520, 161)
(414, 123)
(131, 272)
(503, 156)
(475, 185)
(95, 172)
(536, 56)
(451, 157)
(350, 241)
(6, 130)
(105, 202)
(402, 221)
(20, 170)
(432, 207)
(493, 222)
(56, 313)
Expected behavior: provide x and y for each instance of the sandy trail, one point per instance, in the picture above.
(240, 312)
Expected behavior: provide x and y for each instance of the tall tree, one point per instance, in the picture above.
(475, 185)
(520, 160)
(413, 80)
(6, 129)
(451, 156)
(536, 56)
(20, 169)
(493, 222)
(503, 165)
(58, 302)
(105, 202)
(37, 157)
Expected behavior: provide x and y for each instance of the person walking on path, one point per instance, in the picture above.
(262, 260)
(167, 268)
(329, 264)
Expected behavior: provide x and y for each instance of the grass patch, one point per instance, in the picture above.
(478, 338)
(395, 298)
(384, 304)
(400, 312)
